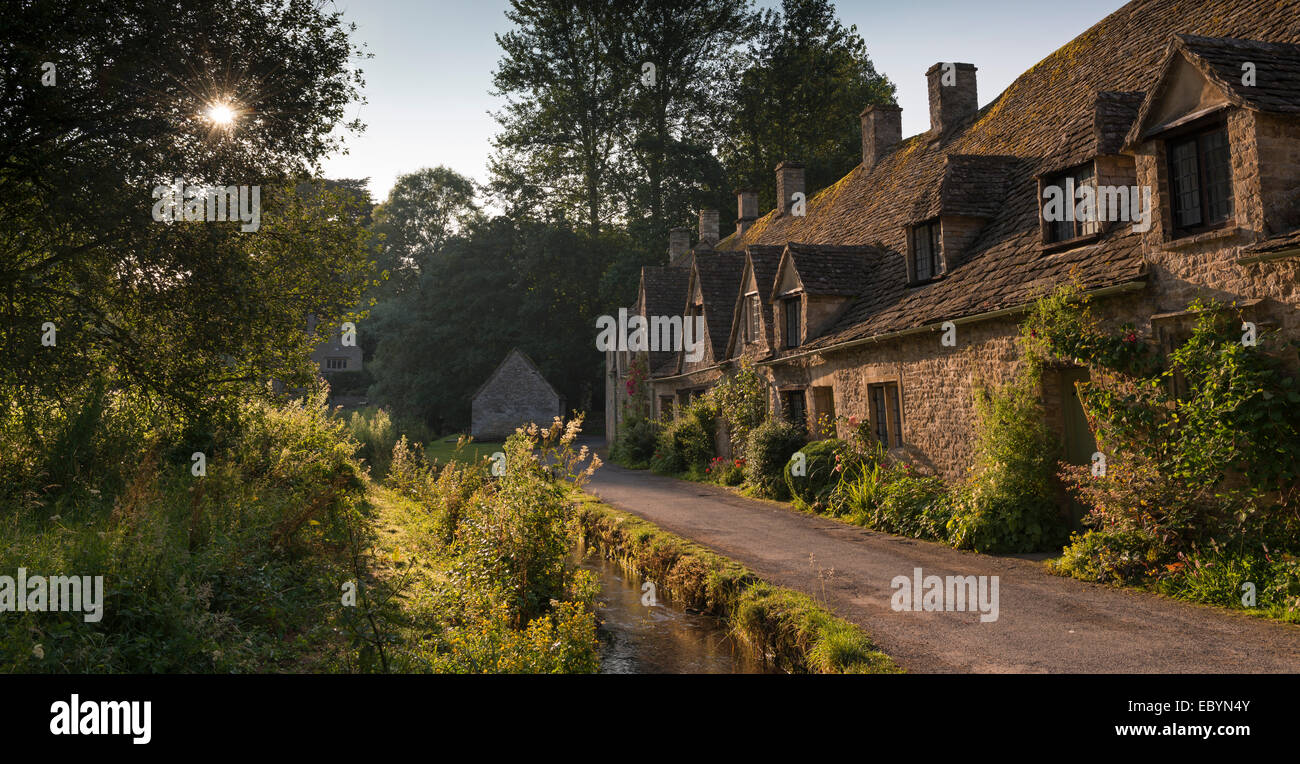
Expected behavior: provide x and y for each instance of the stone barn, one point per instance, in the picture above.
(514, 395)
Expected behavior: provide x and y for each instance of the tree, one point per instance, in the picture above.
(800, 88)
(503, 283)
(424, 209)
(186, 311)
(563, 75)
(675, 117)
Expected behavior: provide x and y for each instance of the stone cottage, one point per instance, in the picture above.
(1190, 107)
(514, 395)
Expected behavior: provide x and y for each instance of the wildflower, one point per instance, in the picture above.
(38, 652)
(1130, 337)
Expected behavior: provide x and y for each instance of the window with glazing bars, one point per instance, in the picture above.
(926, 252)
(1200, 180)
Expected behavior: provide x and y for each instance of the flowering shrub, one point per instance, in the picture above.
(1196, 484)
(686, 443)
(741, 402)
(725, 471)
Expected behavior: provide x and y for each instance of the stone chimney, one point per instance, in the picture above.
(952, 95)
(789, 181)
(882, 129)
(709, 229)
(746, 209)
(679, 244)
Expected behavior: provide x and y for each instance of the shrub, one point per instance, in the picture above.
(1008, 502)
(635, 443)
(913, 505)
(1210, 468)
(1120, 557)
(724, 471)
(770, 447)
(823, 469)
(374, 430)
(741, 401)
(686, 443)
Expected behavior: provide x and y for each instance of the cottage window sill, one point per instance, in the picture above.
(1053, 247)
(1228, 231)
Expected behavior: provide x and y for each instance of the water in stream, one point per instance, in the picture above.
(659, 639)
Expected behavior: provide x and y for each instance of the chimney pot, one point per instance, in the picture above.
(882, 129)
(789, 181)
(746, 209)
(709, 231)
(679, 244)
(953, 97)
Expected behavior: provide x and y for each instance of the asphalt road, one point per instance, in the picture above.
(1045, 623)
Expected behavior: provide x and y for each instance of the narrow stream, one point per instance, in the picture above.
(662, 638)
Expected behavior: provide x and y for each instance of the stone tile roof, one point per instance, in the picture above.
(664, 288)
(1066, 109)
(1277, 70)
(765, 261)
(830, 270)
(1280, 243)
(719, 280)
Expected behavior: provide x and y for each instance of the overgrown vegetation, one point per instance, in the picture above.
(481, 579)
(1198, 494)
(236, 570)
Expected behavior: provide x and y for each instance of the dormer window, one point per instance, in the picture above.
(792, 332)
(926, 254)
(752, 321)
(1200, 180)
(1065, 213)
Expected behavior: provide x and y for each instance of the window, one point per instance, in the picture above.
(1200, 180)
(886, 416)
(791, 308)
(824, 407)
(926, 252)
(1067, 226)
(336, 363)
(795, 408)
(753, 327)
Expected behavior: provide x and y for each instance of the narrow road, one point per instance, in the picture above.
(1045, 623)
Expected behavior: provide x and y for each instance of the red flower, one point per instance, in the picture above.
(1130, 337)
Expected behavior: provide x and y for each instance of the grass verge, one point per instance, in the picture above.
(787, 627)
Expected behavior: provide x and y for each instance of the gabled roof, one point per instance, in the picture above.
(761, 262)
(664, 289)
(1221, 61)
(502, 365)
(827, 270)
(1055, 112)
(718, 277)
(1277, 70)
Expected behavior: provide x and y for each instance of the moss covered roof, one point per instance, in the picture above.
(1075, 104)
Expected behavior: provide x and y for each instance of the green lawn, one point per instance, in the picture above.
(444, 450)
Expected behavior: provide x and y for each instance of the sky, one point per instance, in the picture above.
(429, 83)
